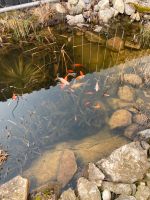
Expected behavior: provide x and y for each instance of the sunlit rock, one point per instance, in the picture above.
(106, 14)
(118, 5)
(15, 189)
(87, 190)
(68, 195)
(106, 195)
(120, 118)
(95, 175)
(143, 192)
(103, 4)
(119, 188)
(76, 9)
(115, 44)
(125, 197)
(126, 93)
(74, 20)
(121, 164)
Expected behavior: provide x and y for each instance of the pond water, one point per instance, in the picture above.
(45, 118)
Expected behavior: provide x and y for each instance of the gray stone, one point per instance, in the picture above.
(87, 190)
(68, 195)
(127, 164)
(118, 188)
(106, 195)
(15, 189)
(144, 134)
(95, 175)
(103, 4)
(132, 79)
(67, 167)
(143, 193)
(126, 93)
(125, 197)
(120, 118)
(118, 5)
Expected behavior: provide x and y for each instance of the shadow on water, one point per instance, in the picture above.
(45, 119)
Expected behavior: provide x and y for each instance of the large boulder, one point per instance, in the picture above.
(120, 118)
(118, 5)
(87, 190)
(15, 189)
(127, 164)
(115, 44)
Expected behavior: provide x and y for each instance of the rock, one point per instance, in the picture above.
(140, 119)
(126, 93)
(95, 175)
(106, 14)
(132, 45)
(73, 2)
(129, 10)
(132, 79)
(92, 37)
(120, 118)
(103, 4)
(125, 197)
(115, 103)
(97, 29)
(68, 195)
(67, 167)
(96, 8)
(118, 5)
(77, 8)
(87, 190)
(131, 130)
(115, 44)
(143, 193)
(106, 195)
(15, 189)
(135, 16)
(73, 20)
(121, 164)
(118, 188)
(59, 8)
(145, 134)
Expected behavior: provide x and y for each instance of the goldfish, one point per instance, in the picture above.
(106, 95)
(14, 97)
(77, 65)
(96, 86)
(97, 105)
(70, 71)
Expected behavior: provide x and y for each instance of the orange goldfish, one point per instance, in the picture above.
(14, 96)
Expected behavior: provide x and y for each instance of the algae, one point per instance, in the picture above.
(140, 8)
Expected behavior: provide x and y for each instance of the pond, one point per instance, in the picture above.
(41, 117)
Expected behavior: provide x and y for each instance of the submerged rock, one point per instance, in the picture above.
(121, 164)
(140, 119)
(132, 79)
(120, 118)
(119, 188)
(87, 190)
(15, 189)
(92, 37)
(67, 167)
(115, 44)
(68, 195)
(131, 130)
(132, 45)
(143, 192)
(126, 93)
(95, 175)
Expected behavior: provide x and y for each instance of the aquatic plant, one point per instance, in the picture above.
(22, 75)
(140, 8)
